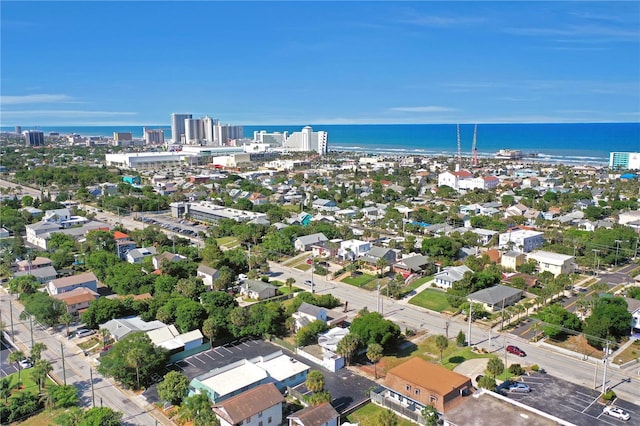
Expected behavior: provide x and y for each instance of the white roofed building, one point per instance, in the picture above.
(553, 262)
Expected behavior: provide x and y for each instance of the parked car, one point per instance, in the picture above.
(516, 350)
(25, 363)
(84, 332)
(616, 412)
(519, 388)
(242, 277)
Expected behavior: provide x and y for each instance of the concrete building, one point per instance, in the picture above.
(62, 285)
(305, 242)
(496, 298)
(353, 249)
(153, 136)
(523, 240)
(194, 133)
(177, 127)
(33, 137)
(274, 139)
(553, 262)
(260, 406)
(624, 160)
(307, 140)
(207, 212)
(122, 136)
(512, 259)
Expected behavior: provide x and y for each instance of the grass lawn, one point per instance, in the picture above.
(430, 298)
(415, 284)
(629, 354)
(45, 418)
(295, 260)
(303, 267)
(229, 242)
(368, 416)
(29, 385)
(359, 280)
(291, 207)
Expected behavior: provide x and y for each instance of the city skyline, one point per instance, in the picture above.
(284, 63)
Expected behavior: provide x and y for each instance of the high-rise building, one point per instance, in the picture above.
(33, 137)
(193, 131)
(153, 136)
(223, 133)
(177, 127)
(624, 160)
(122, 136)
(307, 140)
(275, 138)
(209, 129)
(18, 130)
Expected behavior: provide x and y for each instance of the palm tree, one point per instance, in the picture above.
(66, 319)
(17, 356)
(36, 351)
(347, 347)
(6, 388)
(289, 282)
(209, 329)
(381, 263)
(41, 368)
(315, 381)
(135, 358)
(495, 367)
(104, 333)
(442, 343)
(374, 353)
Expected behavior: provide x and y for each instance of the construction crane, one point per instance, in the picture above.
(474, 150)
(459, 165)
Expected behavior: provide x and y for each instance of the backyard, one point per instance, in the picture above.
(368, 414)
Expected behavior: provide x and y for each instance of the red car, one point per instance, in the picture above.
(516, 350)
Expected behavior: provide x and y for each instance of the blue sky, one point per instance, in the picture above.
(92, 63)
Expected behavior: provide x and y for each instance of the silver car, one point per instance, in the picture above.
(519, 388)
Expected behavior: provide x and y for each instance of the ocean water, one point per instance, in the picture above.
(588, 143)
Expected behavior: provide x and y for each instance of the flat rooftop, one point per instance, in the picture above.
(281, 367)
(236, 378)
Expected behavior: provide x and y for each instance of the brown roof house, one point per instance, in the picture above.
(319, 415)
(77, 300)
(63, 285)
(260, 406)
(416, 383)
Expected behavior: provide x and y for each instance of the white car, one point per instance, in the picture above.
(25, 363)
(616, 412)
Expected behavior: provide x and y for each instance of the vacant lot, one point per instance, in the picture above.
(360, 280)
(430, 298)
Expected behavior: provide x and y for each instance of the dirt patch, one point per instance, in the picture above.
(578, 344)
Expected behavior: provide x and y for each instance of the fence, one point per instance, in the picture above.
(377, 397)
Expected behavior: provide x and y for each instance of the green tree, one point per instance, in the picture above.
(41, 369)
(5, 388)
(371, 327)
(101, 416)
(135, 369)
(495, 367)
(348, 346)
(36, 351)
(442, 343)
(197, 408)
(609, 319)
(375, 352)
(430, 415)
(461, 339)
(17, 356)
(174, 387)
(487, 382)
(25, 284)
(387, 417)
(315, 381)
(63, 395)
(66, 319)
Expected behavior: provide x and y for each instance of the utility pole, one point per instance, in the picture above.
(11, 319)
(604, 376)
(505, 352)
(470, 316)
(595, 258)
(31, 328)
(93, 395)
(378, 298)
(64, 372)
(617, 248)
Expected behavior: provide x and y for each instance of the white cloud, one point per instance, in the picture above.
(41, 98)
(429, 108)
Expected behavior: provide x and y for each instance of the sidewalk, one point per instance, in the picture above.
(405, 300)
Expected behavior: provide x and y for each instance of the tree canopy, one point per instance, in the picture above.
(371, 327)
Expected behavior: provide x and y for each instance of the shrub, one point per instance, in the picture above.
(516, 369)
(264, 278)
(609, 395)
(535, 367)
(487, 382)
(461, 339)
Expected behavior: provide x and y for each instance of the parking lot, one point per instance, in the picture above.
(6, 368)
(345, 387)
(576, 404)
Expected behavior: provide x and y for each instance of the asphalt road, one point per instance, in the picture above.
(77, 371)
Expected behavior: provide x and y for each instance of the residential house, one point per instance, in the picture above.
(77, 300)
(305, 242)
(496, 298)
(633, 305)
(171, 339)
(43, 274)
(374, 255)
(416, 383)
(453, 179)
(257, 199)
(63, 285)
(553, 262)
(353, 249)
(515, 210)
(137, 255)
(166, 257)
(523, 240)
(529, 280)
(322, 204)
(411, 265)
(303, 219)
(38, 233)
(123, 247)
(308, 313)
(628, 216)
(315, 415)
(512, 259)
(258, 290)
(30, 265)
(208, 275)
(119, 328)
(325, 248)
(4, 233)
(484, 235)
(449, 275)
(260, 406)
